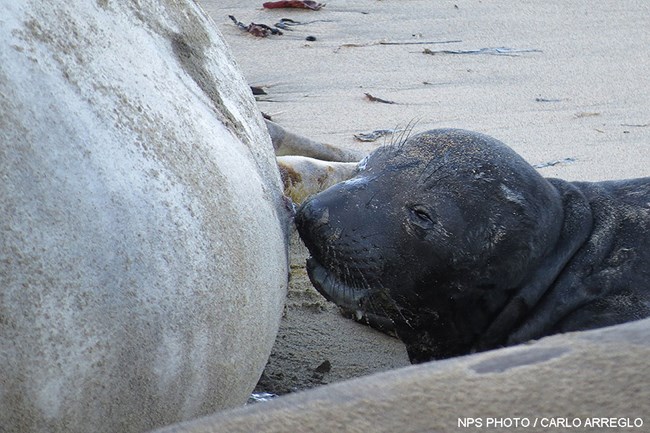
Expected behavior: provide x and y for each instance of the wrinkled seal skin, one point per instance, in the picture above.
(466, 247)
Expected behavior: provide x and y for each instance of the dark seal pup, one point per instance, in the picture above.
(466, 247)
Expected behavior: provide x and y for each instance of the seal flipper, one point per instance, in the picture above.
(511, 325)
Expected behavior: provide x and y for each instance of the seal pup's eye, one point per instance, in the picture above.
(422, 214)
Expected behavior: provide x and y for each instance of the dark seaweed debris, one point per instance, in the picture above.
(287, 23)
(547, 100)
(376, 99)
(374, 43)
(497, 51)
(259, 30)
(555, 162)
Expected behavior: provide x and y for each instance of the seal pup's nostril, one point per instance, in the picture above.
(311, 215)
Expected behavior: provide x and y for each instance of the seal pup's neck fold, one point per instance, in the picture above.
(512, 321)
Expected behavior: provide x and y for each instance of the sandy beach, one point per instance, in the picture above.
(565, 84)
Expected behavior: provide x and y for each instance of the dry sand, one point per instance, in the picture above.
(584, 94)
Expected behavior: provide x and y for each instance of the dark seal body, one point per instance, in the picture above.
(465, 247)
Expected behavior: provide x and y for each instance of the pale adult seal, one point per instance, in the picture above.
(133, 208)
(466, 247)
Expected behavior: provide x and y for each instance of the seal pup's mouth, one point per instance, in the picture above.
(333, 288)
(365, 305)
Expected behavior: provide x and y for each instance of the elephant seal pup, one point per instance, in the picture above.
(466, 247)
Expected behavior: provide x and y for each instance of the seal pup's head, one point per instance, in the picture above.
(436, 233)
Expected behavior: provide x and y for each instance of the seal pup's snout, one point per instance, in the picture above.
(310, 217)
(333, 278)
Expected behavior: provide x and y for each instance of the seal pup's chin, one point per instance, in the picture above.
(333, 289)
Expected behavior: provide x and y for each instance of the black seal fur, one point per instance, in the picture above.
(465, 247)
